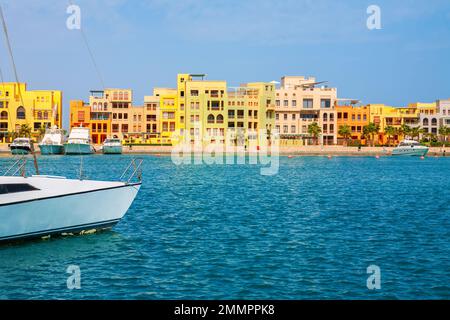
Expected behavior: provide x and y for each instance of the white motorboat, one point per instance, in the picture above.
(21, 146)
(410, 148)
(79, 142)
(112, 146)
(53, 142)
(40, 206)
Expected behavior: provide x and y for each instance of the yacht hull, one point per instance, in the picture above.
(48, 149)
(112, 149)
(78, 148)
(18, 150)
(72, 213)
(410, 152)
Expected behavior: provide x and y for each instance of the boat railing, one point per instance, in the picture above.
(133, 171)
(19, 166)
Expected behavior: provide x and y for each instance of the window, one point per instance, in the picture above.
(219, 118)
(285, 129)
(21, 113)
(16, 187)
(292, 129)
(308, 103)
(293, 116)
(277, 116)
(285, 116)
(277, 103)
(294, 103)
(325, 103)
(210, 118)
(286, 103)
(81, 116)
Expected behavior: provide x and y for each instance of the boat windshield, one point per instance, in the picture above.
(409, 144)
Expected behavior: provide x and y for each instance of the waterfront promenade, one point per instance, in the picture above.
(292, 150)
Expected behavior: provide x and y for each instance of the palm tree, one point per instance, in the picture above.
(346, 132)
(415, 132)
(404, 130)
(314, 130)
(41, 132)
(25, 131)
(390, 131)
(444, 131)
(370, 131)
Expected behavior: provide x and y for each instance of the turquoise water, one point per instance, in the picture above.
(227, 232)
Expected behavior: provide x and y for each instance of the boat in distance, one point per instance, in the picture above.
(112, 146)
(410, 148)
(40, 206)
(21, 146)
(53, 142)
(79, 142)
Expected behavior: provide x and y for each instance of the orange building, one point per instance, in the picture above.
(356, 117)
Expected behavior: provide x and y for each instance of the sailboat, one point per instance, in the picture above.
(52, 142)
(42, 205)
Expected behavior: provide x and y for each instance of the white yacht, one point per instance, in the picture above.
(21, 146)
(410, 148)
(53, 142)
(79, 142)
(40, 206)
(112, 146)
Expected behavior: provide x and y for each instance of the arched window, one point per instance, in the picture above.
(210, 118)
(94, 106)
(4, 115)
(331, 116)
(425, 122)
(434, 122)
(45, 115)
(39, 115)
(325, 117)
(220, 118)
(20, 113)
(120, 95)
(105, 106)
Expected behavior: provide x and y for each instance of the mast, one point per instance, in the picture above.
(8, 44)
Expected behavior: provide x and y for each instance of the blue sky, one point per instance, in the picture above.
(141, 44)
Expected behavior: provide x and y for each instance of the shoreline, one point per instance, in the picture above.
(284, 151)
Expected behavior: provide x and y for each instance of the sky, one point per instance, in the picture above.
(142, 44)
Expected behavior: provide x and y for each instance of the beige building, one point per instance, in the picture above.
(301, 102)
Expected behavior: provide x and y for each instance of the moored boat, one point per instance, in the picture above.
(52, 143)
(410, 148)
(41, 206)
(79, 142)
(21, 146)
(112, 146)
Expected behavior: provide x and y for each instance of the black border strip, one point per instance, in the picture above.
(69, 194)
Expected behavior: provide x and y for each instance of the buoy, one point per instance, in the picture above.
(329, 157)
(377, 157)
(422, 157)
(157, 155)
(290, 157)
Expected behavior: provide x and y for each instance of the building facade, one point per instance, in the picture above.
(355, 117)
(35, 108)
(299, 103)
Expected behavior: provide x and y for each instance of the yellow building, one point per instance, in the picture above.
(35, 108)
